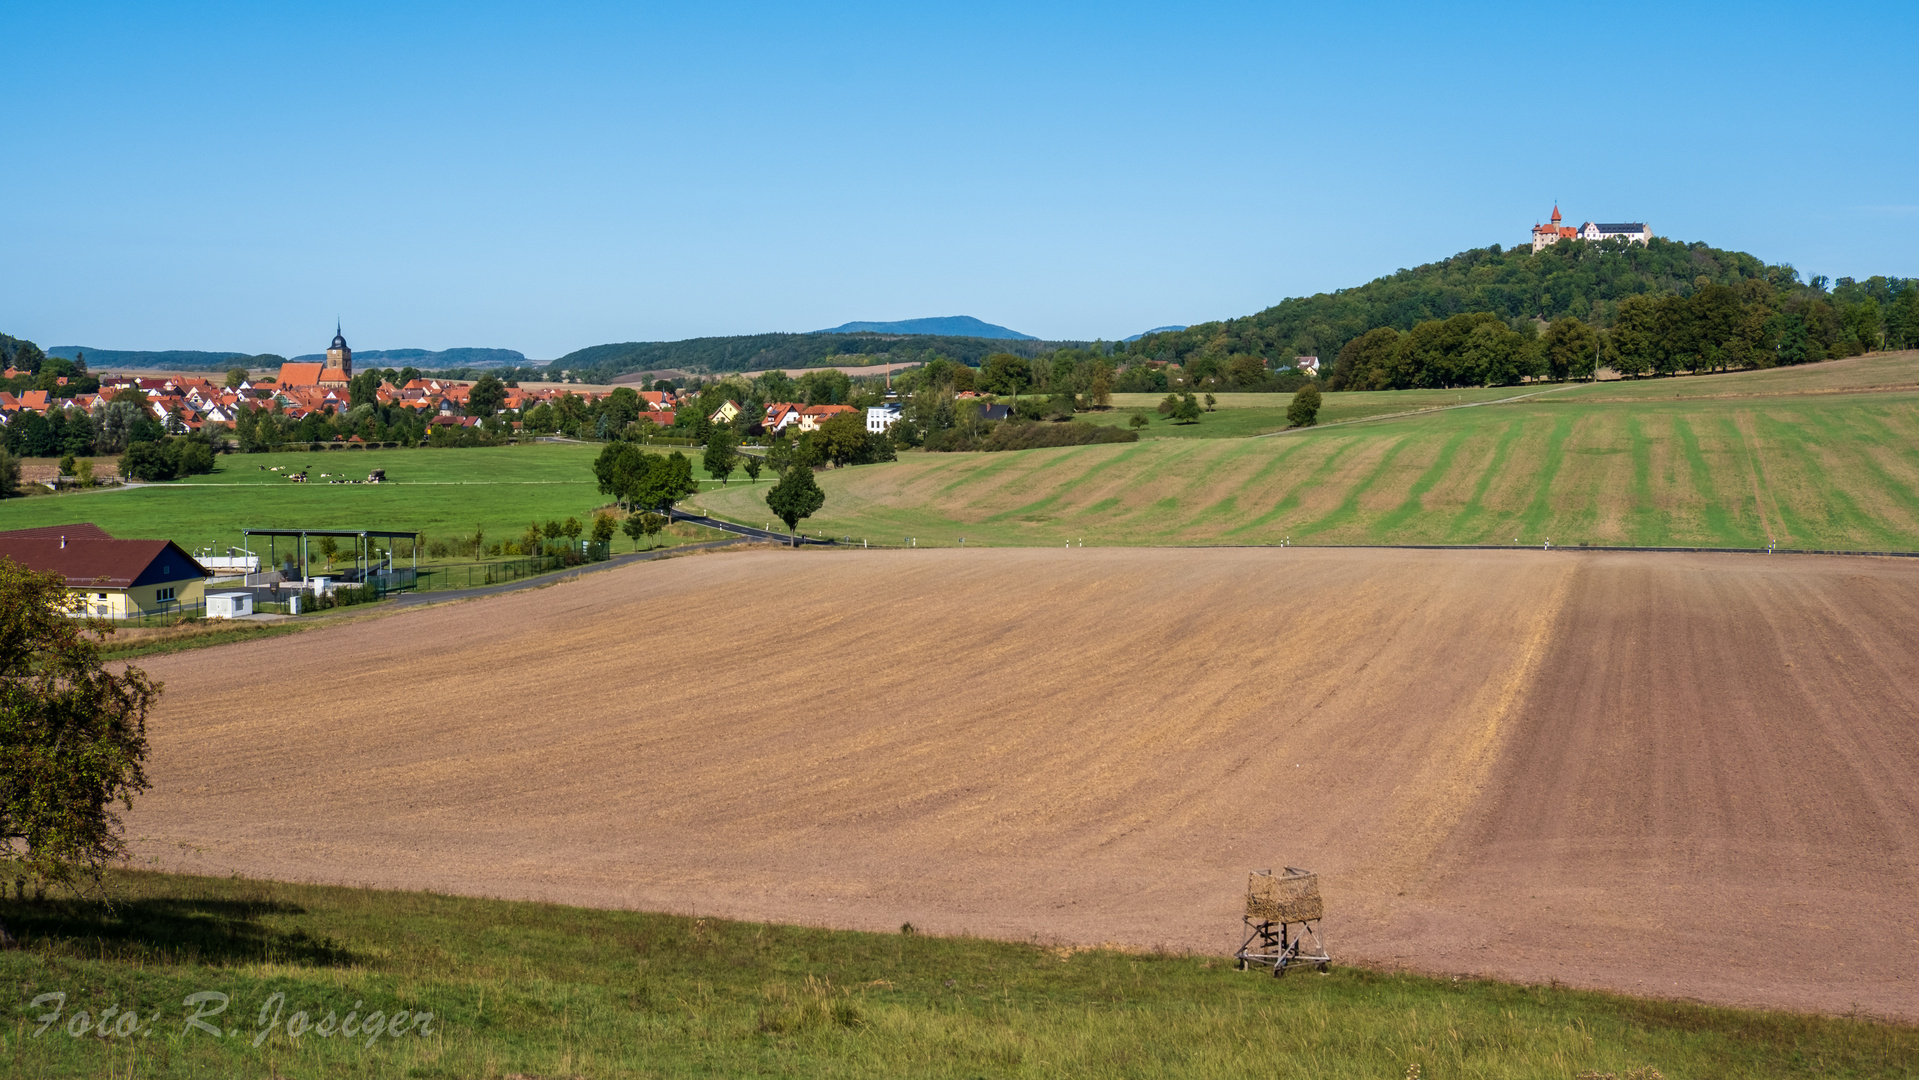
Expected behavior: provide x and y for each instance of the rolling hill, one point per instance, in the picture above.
(169, 359)
(946, 326)
(758, 352)
(427, 358)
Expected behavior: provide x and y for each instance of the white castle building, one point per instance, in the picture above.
(1544, 236)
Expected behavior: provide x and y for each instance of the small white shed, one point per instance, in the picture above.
(229, 605)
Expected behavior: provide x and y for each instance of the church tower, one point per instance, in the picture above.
(339, 361)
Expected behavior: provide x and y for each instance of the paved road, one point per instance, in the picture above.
(1418, 412)
(743, 530)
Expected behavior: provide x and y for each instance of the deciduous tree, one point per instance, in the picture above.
(1004, 373)
(722, 454)
(486, 396)
(1571, 349)
(796, 497)
(72, 734)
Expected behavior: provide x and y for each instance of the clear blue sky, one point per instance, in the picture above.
(546, 177)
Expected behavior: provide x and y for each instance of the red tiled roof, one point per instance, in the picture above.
(300, 374)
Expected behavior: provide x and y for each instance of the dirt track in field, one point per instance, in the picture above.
(1690, 776)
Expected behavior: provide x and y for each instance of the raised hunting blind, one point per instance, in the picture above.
(1282, 914)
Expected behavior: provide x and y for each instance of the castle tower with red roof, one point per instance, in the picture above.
(1545, 236)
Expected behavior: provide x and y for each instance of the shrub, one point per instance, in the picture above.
(170, 458)
(1027, 435)
(1304, 411)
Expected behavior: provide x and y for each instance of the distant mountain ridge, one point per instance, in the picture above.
(428, 358)
(943, 326)
(1154, 330)
(198, 360)
(758, 352)
(174, 359)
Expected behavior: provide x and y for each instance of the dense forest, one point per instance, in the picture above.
(761, 352)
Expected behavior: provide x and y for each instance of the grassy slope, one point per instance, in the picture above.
(1238, 415)
(554, 991)
(1724, 461)
(439, 492)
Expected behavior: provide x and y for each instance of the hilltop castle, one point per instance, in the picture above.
(1544, 236)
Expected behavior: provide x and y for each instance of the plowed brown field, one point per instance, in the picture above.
(1680, 775)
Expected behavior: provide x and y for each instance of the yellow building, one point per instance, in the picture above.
(113, 579)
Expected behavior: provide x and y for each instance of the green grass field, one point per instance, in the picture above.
(443, 493)
(549, 991)
(1799, 457)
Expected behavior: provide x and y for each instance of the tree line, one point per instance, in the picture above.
(761, 352)
(1711, 327)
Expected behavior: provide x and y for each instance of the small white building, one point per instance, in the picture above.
(1307, 364)
(1637, 232)
(229, 605)
(881, 417)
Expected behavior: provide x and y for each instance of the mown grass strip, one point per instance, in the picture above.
(1291, 500)
(1464, 523)
(1841, 518)
(1348, 509)
(1390, 523)
(1718, 520)
(545, 990)
(125, 646)
(1538, 513)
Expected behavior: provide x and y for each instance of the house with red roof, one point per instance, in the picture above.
(109, 578)
(812, 416)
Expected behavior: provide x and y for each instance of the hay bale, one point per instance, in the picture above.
(1290, 897)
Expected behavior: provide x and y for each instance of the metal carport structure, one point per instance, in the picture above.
(361, 538)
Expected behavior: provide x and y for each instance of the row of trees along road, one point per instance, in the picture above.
(73, 737)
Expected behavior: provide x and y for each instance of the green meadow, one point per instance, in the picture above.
(1799, 457)
(540, 990)
(440, 492)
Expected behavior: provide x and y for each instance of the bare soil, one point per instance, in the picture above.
(1676, 775)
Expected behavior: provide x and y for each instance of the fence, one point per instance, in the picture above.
(480, 575)
(165, 614)
(344, 591)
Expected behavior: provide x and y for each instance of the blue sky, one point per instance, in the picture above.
(553, 176)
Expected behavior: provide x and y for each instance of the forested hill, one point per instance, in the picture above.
(171, 359)
(759, 352)
(428, 359)
(1577, 278)
(946, 326)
